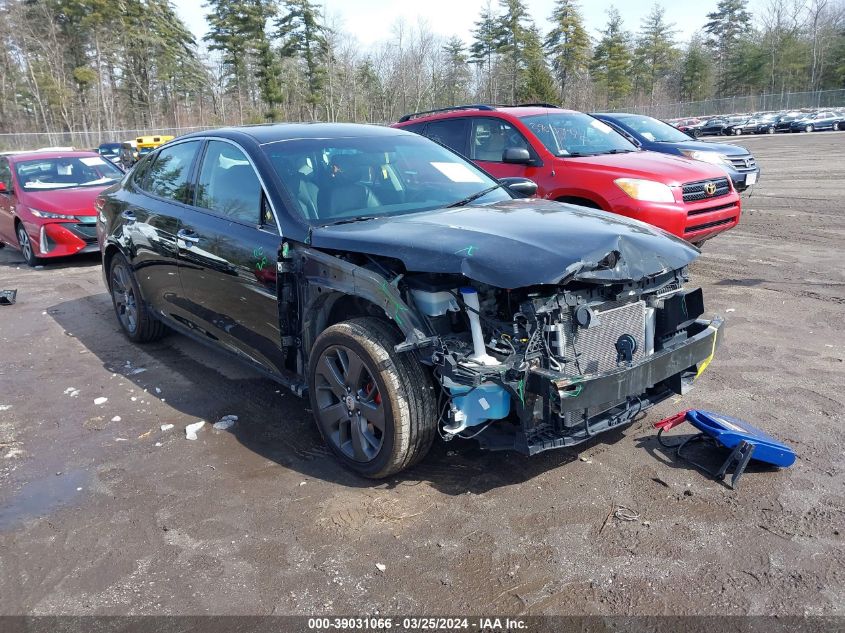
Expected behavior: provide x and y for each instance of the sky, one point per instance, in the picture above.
(371, 20)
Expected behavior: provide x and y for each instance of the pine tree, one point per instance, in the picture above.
(485, 46)
(726, 26)
(456, 74)
(303, 35)
(537, 85)
(567, 43)
(696, 72)
(611, 65)
(655, 54)
(513, 34)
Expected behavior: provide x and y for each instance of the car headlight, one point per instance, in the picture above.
(645, 190)
(714, 158)
(47, 215)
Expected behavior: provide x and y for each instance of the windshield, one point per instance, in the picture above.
(343, 179)
(66, 172)
(576, 134)
(654, 130)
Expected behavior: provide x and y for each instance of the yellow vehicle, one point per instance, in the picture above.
(146, 144)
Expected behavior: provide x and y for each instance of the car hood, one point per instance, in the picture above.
(516, 243)
(68, 201)
(721, 148)
(665, 168)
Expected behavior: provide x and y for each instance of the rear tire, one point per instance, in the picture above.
(808, 128)
(771, 130)
(135, 318)
(376, 409)
(836, 126)
(738, 131)
(25, 244)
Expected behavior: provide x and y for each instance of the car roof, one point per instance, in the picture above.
(274, 132)
(518, 111)
(22, 156)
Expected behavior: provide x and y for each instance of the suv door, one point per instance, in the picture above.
(150, 214)
(228, 245)
(488, 140)
(7, 203)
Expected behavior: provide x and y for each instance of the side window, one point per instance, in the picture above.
(416, 128)
(449, 132)
(491, 137)
(5, 174)
(171, 170)
(228, 185)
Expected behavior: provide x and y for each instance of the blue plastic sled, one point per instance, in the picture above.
(745, 441)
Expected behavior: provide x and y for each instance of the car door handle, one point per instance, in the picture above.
(129, 216)
(187, 236)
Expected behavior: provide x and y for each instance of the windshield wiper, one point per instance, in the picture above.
(473, 197)
(360, 218)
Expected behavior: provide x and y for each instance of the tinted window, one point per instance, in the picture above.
(228, 185)
(171, 170)
(491, 137)
(450, 132)
(416, 128)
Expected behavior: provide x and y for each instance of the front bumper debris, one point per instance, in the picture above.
(563, 410)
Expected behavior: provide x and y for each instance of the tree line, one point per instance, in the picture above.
(99, 65)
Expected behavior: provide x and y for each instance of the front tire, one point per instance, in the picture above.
(135, 318)
(808, 128)
(375, 408)
(26, 247)
(738, 131)
(836, 127)
(771, 130)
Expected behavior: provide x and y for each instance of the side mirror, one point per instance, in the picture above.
(3, 188)
(516, 156)
(523, 187)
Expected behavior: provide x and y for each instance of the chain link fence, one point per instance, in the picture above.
(13, 141)
(741, 105)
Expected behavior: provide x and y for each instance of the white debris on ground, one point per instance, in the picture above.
(14, 452)
(116, 418)
(73, 392)
(158, 390)
(381, 567)
(226, 422)
(100, 400)
(191, 429)
(166, 427)
(5, 407)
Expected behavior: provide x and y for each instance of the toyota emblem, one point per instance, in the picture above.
(709, 188)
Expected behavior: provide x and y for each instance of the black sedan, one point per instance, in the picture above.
(408, 293)
(717, 126)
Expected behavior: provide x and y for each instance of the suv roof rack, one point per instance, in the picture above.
(537, 105)
(477, 106)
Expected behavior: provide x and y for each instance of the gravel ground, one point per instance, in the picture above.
(102, 512)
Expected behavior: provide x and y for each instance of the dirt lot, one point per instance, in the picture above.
(103, 513)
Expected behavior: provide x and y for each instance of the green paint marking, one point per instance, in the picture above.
(468, 250)
(285, 250)
(258, 254)
(520, 389)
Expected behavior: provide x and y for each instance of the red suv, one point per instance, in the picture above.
(576, 158)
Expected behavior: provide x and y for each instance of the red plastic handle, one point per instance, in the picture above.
(672, 421)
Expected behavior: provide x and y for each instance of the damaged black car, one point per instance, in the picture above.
(405, 291)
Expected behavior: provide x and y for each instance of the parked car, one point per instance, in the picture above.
(405, 290)
(690, 127)
(783, 122)
(576, 158)
(110, 152)
(47, 202)
(146, 144)
(657, 136)
(717, 125)
(757, 124)
(815, 121)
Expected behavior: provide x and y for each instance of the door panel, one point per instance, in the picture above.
(150, 213)
(7, 204)
(227, 258)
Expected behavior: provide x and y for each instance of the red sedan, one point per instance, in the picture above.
(47, 202)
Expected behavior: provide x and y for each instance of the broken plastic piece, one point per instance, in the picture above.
(226, 422)
(191, 429)
(8, 297)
